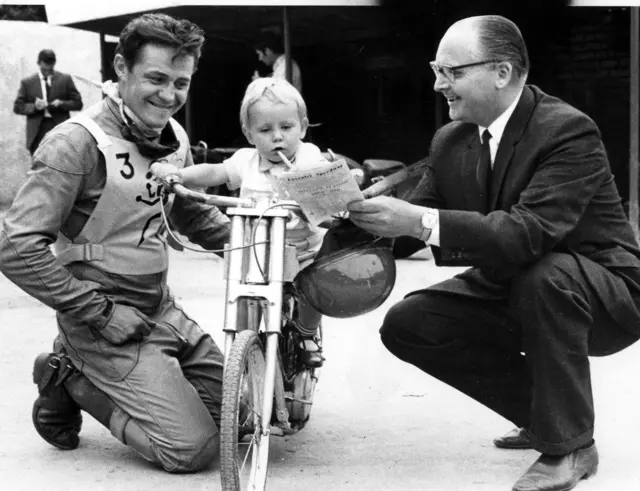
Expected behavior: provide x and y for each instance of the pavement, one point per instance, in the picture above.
(376, 424)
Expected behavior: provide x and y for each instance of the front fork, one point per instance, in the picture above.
(256, 275)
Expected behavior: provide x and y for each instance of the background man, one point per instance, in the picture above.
(270, 51)
(519, 187)
(46, 98)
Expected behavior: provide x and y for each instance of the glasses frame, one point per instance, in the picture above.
(442, 69)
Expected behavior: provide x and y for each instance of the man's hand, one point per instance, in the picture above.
(386, 216)
(40, 104)
(126, 323)
(56, 103)
(167, 174)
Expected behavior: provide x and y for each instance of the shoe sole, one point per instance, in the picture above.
(36, 425)
(507, 446)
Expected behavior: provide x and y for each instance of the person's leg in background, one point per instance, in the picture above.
(46, 125)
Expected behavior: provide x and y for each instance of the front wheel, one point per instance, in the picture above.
(244, 450)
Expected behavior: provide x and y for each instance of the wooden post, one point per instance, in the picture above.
(634, 102)
(104, 62)
(286, 34)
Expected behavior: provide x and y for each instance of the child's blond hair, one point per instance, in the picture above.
(276, 90)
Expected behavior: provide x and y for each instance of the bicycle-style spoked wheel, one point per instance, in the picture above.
(244, 450)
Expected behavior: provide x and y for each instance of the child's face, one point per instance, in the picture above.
(275, 127)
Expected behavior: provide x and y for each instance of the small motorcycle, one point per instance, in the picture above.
(267, 390)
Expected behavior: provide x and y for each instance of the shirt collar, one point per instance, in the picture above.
(497, 127)
(42, 77)
(280, 59)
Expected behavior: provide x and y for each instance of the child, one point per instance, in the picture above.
(273, 116)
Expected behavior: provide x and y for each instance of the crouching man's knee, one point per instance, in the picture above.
(189, 458)
(194, 451)
(393, 326)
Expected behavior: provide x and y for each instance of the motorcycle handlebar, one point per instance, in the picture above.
(391, 181)
(224, 201)
(212, 199)
(386, 184)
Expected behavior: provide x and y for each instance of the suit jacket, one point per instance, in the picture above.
(62, 87)
(552, 190)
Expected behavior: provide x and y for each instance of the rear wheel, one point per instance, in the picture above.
(244, 450)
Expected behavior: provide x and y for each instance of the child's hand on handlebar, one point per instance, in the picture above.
(167, 174)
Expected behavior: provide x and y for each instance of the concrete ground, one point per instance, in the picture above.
(377, 423)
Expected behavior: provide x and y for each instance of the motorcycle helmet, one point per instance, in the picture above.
(352, 274)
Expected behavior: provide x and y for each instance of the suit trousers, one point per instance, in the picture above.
(525, 357)
(46, 125)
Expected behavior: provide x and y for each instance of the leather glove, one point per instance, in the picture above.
(126, 323)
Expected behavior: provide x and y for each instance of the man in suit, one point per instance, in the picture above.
(533, 208)
(46, 98)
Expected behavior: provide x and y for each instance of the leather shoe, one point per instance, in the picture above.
(311, 352)
(559, 473)
(518, 438)
(56, 417)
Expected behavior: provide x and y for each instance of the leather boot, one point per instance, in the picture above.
(63, 392)
(56, 417)
(89, 398)
(311, 352)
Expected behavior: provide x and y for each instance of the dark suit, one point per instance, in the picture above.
(62, 88)
(556, 271)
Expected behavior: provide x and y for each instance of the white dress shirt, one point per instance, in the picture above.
(43, 85)
(497, 130)
(280, 71)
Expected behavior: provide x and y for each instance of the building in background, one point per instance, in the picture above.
(368, 84)
(78, 53)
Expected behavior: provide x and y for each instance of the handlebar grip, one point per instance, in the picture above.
(392, 180)
(386, 184)
(211, 199)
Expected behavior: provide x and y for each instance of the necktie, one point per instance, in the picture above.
(484, 167)
(47, 85)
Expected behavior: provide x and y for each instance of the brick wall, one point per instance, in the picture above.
(78, 52)
(586, 63)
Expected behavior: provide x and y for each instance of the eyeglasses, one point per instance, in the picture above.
(449, 72)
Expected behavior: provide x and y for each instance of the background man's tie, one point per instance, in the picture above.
(47, 85)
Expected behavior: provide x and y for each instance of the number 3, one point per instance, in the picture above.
(127, 168)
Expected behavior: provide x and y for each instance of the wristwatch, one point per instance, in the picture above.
(428, 221)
